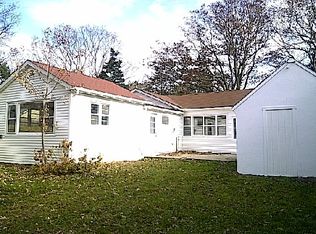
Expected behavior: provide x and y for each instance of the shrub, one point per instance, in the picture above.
(64, 165)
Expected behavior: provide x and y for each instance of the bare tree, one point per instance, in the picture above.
(296, 31)
(176, 70)
(82, 49)
(8, 20)
(232, 40)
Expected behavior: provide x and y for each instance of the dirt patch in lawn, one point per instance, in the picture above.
(198, 156)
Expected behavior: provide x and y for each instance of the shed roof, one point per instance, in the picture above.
(207, 100)
(78, 79)
(274, 74)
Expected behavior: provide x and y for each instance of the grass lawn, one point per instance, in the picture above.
(156, 196)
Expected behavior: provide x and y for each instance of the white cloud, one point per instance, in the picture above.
(140, 34)
(78, 12)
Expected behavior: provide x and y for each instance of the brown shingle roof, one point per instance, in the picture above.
(207, 100)
(78, 79)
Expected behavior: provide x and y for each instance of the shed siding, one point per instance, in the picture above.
(19, 148)
(127, 137)
(291, 87)
(215, 144)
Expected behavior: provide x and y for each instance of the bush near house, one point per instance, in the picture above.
(155, 196)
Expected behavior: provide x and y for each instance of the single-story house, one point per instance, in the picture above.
(100, 117)
(277, 125)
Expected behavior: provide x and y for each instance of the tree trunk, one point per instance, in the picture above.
(43, 131)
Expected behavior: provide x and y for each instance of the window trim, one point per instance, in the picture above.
(8, 118)
(234, 128)
(105, 115)
(18, 111)
(152, 128)
(192, 126)
(100, 114)
(166, 118)
(187, 125)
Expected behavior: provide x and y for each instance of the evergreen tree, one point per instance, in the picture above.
(4, 72)
(111, 70)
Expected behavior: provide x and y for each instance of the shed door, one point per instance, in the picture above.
(279, 142)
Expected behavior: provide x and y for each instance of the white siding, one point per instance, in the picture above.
(216, 144)
(19, 148)
(127, 137)
(291, 87)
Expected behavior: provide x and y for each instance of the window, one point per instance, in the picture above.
(11, 118)
(198, 125)
(209, 125)
(165, 120)
(221, 125)
(152, 124)
(94, 114)
(105, 114)
(97, 117)
(235, 128)
(187, 126)
(31, 117)
(205, 125)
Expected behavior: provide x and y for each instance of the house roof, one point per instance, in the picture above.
(207, 100)
(78, 79)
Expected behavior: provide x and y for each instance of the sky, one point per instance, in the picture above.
(138, 23)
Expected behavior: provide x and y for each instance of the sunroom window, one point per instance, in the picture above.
(187, 126)
(205, 125)
(221, 125)
(209, 125)
(31, 117)
(198, 125)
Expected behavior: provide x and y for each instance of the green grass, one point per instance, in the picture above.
(156, 196)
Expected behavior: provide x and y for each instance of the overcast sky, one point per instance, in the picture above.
(138, 23)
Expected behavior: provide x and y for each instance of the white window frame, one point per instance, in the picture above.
(221, 125)
(187, 126)
(102, 115)
(93, 120)
(165, 119)
(152, 125)
(198, 128)
(9, 118)
(204, 125)
(235, 128)
(18, 118)
(105, 114)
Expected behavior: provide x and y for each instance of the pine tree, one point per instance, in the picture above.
(4, 72)
(111, 70)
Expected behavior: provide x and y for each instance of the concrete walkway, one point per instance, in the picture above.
(190, 156)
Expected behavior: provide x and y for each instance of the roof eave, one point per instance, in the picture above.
(111, 96)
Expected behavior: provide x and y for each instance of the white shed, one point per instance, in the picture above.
(277, 125)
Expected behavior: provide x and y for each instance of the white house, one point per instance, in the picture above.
(98, 116)
(277, 125)
(209, 123)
